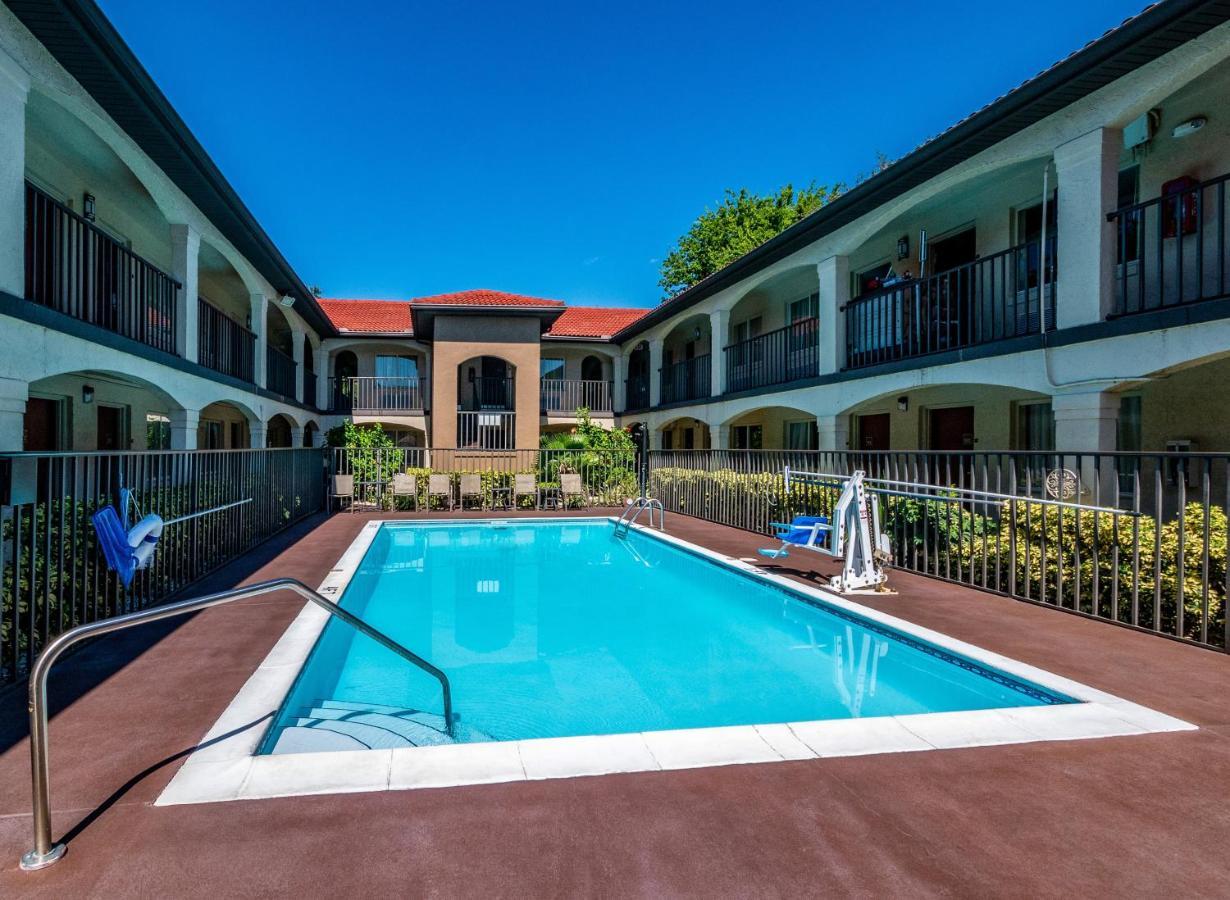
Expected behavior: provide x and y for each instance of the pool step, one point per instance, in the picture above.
(345, 725)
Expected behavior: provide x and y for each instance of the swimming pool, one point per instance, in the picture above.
(559, 628)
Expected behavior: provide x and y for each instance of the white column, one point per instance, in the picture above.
(297, 338)
(14, 86)
(719, 437)
(618, 368)
(185, 250)
(834, 431)
(256, 434)
(13, 396)
(184, 425)
(1088, 423)
(296, 435)
(655, 374)
(834, 278)
(320, 359)
(719, 326)
(259, 306)
(1087, 172)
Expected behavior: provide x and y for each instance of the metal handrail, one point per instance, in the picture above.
(636, 507)
(45, 852)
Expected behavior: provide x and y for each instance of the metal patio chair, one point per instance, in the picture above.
(569, 487)
(343, 489)
(405, 485)
(471, 488)
(525, 486)
(440, 486)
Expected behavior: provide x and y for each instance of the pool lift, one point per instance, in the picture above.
(852, 533)
(128, 548)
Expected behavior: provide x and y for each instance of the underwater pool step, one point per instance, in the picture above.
(376, 729)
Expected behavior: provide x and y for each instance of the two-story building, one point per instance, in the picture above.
(1050, 272)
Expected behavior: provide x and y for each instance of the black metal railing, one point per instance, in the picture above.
(608, 477)
(52, 572)
(687, 379)
(637, 393)
(341, 396)
(487, 430)
(75, 268)
(309, 387)
(570, 394)
(499, 394)
(787, 354)
(991, 299)
(376, 394)
(223, 344)
(279, 372)
(1173, 249)
(1153, 558)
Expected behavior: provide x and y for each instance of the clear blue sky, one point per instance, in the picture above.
(396, 149)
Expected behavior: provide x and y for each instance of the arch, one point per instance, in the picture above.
(591, 368)
(97, 410)
(278, 430)
(226, 425)
(311, 434)
(772, 427)
(684, 433)
(486, 382)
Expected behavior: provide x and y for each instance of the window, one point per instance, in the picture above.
(157, 432)
(747, 329)
(397, 367)
(552, 369)
(747, 437)
(807, 308)
(1029, 232)
(1035, 427)
(801, 435)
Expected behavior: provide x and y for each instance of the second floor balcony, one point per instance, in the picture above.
(279, 372)
(777, 357)
(688, 379)
(223, 344)
(567, 395)
(373, 395)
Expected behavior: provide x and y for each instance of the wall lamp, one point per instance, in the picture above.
(87, 394)
(87, 207)
(903, 247)
(903, 404)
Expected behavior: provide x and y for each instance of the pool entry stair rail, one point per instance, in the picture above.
(633, 511)
(45, 852)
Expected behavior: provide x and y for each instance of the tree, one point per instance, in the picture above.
(741, 223)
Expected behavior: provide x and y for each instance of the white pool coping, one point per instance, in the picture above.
(225, 767)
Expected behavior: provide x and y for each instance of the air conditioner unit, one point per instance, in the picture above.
(1175, 465)
(1141, 130)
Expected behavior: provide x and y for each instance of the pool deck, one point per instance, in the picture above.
(1126, 816)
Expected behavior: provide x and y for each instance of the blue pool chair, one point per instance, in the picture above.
(810, 532)
(126, 551)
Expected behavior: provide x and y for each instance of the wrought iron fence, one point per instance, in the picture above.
(608, 477)
(279, 371)
(570, 394)
(52, 573)
(1156, 560)
(380, 393)
(223, 344)
(777, 357)
(687, 379)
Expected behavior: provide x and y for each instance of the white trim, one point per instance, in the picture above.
(224, 767)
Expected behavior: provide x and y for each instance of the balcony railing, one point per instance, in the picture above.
(341, 399)
(990, 299)
(1173, 249)
(487, 393)
(486, 430)
(77, 269)
(567, 395)
(637, 388)
(687, 379)
(223, 344)
(385, 394)
(279, 372)
(780, 356)
(309, 387)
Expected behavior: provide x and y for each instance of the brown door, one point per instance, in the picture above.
(42, 425)
(873, 432)
(952, 428)
(111, 428)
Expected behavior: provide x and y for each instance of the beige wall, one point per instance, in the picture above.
(1193, 404)
(459, 338)
(994, 414)
(80, 426)
(772, 421)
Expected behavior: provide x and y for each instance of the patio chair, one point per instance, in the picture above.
(569, 487)
(440, 486)
(471, 487)
(343, 489)
(525, 486)
(405, 485)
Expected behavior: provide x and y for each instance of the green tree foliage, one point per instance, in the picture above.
(740, 223)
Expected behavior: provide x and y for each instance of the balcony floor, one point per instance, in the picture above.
(1131, 816)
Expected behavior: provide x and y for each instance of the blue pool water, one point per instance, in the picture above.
(551, 629)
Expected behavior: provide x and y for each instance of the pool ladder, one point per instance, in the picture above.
(628, 517)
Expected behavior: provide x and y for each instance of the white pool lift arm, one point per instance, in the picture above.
(855, 537)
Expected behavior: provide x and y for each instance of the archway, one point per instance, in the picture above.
(311, 433)
(773, 428)
(278, 431)
(774, 331)
(345, 367)
(637, 387)
(685, 433)
(486, 383)
(97, 410)
(591, 369)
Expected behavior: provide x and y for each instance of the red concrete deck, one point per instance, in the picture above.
(1132, 816)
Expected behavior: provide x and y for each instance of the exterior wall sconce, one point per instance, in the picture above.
(1191, 126)
(903, 404)
(87, 207)
(903, 247)
(696, 334)
(87, 394)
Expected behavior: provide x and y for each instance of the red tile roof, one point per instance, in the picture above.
(368, 316)
(484, 297)
(594, 321)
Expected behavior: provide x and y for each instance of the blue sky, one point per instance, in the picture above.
(398, 149)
